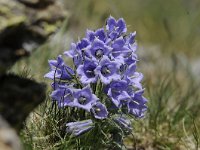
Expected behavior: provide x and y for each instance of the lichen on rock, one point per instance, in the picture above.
(25, 25)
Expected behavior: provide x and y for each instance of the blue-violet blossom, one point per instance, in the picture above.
(103, 82)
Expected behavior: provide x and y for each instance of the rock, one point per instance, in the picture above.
(24, 25)
(8, 137)
(37, 4)
(18, 97)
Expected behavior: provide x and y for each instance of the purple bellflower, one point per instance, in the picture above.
(104, 83)
(75, 54)
(99, 110)
(119, 48)
(115, 28)
(98, 34)
(124, 123)
(107, 70)
(86, 71)
(64, 97)
(59, 70)
(98, 49)
(83, 98)
(137, 106)
(79, 127)
(118, 94)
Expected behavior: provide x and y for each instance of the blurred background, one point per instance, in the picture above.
(174, 25)
(163, 27)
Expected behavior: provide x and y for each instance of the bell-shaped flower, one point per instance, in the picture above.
(119, 99)
(131, 59)
(59, 70)
(83, 98)
(72, 51)
(119, 48)
(86, 71)
(115, 28)
(116, 86)
(137, 106)
(129, 71)
(107, 70)
(132, 77)
(98, 34)
(75, 54)
(82, 44)
(79, 127)
(104, 63)
(124, 98)
(98, 49)
(130, 39)
(124, 123)
(99, 110)
(117, 92)
(63, 96)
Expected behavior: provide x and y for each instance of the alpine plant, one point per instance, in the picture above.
(102, 91)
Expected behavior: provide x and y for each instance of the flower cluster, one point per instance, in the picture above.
(104, 81)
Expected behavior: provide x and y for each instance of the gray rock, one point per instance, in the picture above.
(18, 97)
(8, 137)
(25, 25)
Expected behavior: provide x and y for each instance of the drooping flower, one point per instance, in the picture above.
(137, 106)
(124, 123)
(129, 71)
(59, 70)
(107, 70)
(124, 98)
(119, 48)
(99, 110)
(119, 98)
(83, 98)
(136, 80)
(81, 45)
(131, 59)
(116, 86)
(72, 51)
(117, 92)
(132, 77)
(130, 39)
(75, 54)
(63, 96)
(79, 127)
(77, 51)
